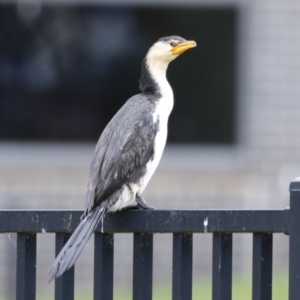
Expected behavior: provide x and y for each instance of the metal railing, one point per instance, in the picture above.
(143, 224)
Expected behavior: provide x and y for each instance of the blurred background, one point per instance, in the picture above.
(68, 66)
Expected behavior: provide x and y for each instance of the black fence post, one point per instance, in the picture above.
(182, 266)
(103, 266)
(64, 285)
(26, 266)
(142, 266)
(262, 266)
(294, 232)
(222, 266)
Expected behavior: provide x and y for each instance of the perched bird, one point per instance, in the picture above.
(128, 151)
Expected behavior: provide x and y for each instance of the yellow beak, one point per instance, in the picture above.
(180, 48)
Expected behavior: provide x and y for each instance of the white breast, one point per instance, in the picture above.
(160, 115)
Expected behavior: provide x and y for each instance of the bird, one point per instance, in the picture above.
(128, 150)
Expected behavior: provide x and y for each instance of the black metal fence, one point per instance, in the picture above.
(143, 224)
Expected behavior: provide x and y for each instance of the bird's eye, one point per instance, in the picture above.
(172, 44)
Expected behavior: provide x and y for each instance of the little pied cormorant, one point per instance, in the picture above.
(128, 151)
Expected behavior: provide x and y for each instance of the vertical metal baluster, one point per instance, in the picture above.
(26, 266)
(294, 251)
(262, 266)
(182, 266)
(222, 266)
(64, 285)
(142, 266)
(103, 266)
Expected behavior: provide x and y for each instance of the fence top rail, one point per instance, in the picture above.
(157, 221)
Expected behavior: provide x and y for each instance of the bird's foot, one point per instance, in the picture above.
(130, 207)
(142, 203)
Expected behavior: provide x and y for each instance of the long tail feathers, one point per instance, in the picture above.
(73, 248)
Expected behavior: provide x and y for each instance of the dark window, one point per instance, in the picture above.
(65, 71)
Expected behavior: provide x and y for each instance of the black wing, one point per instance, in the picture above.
(123, 150)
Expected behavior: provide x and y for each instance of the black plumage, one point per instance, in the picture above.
(147, 84)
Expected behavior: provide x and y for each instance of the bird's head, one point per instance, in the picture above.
(168, 48)
(157, 60)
